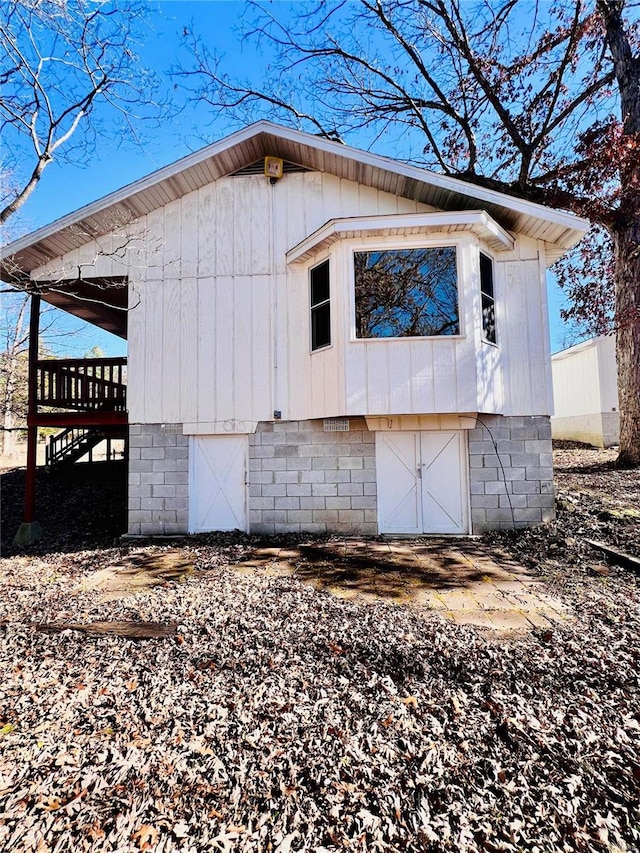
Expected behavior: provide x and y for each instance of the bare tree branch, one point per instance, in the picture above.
(58, 63)
(533, 99)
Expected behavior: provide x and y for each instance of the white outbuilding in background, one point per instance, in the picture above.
(585, 393)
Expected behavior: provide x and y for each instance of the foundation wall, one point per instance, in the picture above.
(601, 429)
(510, 472)
(158, 480)
(302, 478)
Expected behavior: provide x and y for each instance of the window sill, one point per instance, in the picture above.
(408, 338)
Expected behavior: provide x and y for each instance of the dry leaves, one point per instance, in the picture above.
(256, 733)
(284, 719)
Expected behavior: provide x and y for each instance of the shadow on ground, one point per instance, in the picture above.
(394, 570)
(466, 581)
(78, 506)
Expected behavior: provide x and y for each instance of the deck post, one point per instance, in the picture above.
(30, 531)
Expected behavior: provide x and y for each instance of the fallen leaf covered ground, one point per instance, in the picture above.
(281, 718)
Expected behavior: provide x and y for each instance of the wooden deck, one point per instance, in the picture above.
(82, 391)
(85, 397)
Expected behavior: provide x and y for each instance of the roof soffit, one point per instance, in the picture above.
(100, 301)
(390, 225)
(562, 230)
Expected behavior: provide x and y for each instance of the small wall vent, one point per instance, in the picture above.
(257, 168)
(336, 424)
(172, 429)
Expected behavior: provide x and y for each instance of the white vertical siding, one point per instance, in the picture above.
(242, 355)
(226, 214)
(586, 394)
(490, 386)
(400, 379)
(136, 331)
(189, 354)
(608, 373)
(224, 333)
(206, 343)
(524, 338)
(261, 333)
(189, 241)
(170, 347)
(221, 335)
(585, 378)
(206, 211)
(149, 408)
(173, 240)
(155, 239)
(576, 385)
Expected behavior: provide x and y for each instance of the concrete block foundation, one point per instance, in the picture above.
(510, 472)
(158, 480)
(303, 478)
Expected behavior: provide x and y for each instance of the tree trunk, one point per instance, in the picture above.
(627, 230)
(627, 280)
(8, 447)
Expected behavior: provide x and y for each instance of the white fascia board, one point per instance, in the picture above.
(335, 229)
(573, 350)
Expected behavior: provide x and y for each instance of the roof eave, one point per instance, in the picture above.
(123, 200)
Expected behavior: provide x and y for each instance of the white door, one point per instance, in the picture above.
(217, 474)
(444, 482)
(399, 499)
(422, 482)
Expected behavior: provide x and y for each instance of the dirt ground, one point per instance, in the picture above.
(594, 501)
(605, 499)
(269, 714)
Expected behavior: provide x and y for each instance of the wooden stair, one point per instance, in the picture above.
(71, 444)
(87, 399)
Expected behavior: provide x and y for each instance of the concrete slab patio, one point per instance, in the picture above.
(462, 580)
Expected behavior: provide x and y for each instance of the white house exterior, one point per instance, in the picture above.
(270, 387)
(585, 393)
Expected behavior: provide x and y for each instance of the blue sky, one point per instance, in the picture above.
(66, 187)
(115, 163)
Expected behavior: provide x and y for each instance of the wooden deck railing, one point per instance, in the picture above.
(83, 384)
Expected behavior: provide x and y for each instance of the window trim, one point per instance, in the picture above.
(312, 308)
(438, 241)
(485, 339)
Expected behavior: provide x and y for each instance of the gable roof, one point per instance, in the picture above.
(559, 230)
(106, 307)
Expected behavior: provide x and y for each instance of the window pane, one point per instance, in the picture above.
(320, 326)
(486, 275)
(320, 283)
(488, 307)
(488, 319)
(406, 293)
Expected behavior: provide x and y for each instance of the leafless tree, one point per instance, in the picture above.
(14, 346)
(68, 75)
(532, 99)
(14, 328)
